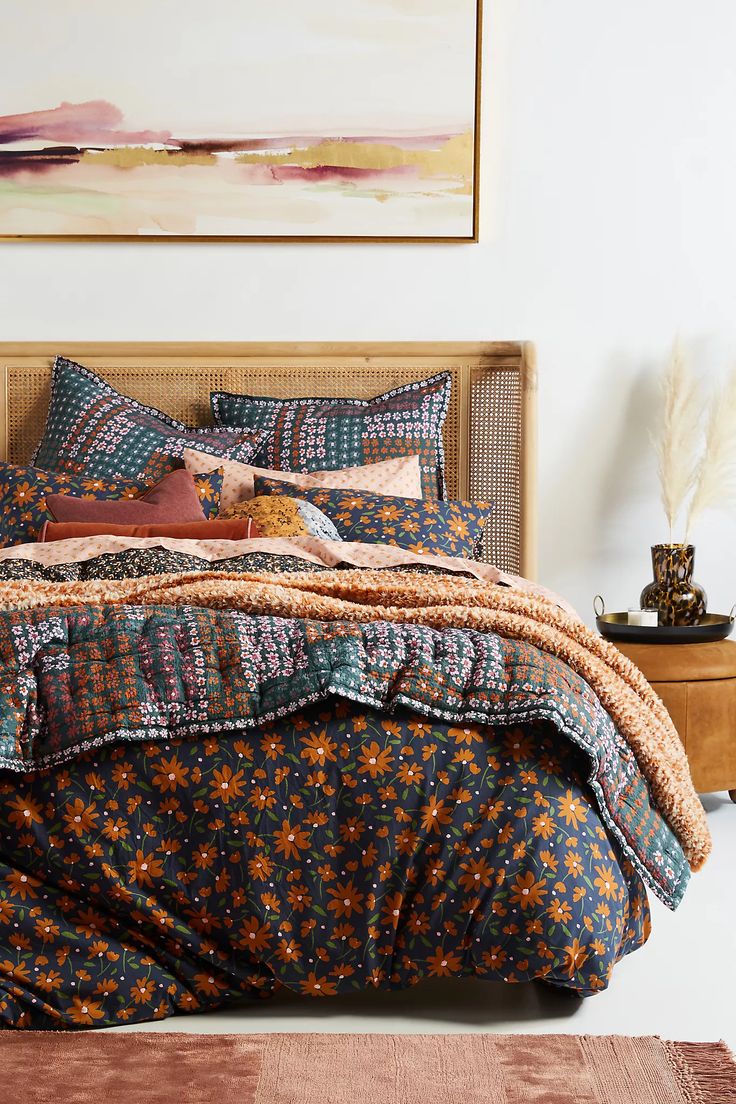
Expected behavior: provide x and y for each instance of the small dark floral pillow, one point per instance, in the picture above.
(421, 525)
(209, 489)
(23, 493)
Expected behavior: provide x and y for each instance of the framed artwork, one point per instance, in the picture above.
(289, 120)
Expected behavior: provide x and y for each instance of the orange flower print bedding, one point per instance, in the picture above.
(421, 525)
(330, 852)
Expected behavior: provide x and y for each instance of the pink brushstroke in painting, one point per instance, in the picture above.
(97, 123)
(82, 167)
(91, 123)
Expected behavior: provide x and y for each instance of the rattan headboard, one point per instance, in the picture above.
(490, 429)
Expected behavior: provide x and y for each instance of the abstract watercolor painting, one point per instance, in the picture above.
(239, 119)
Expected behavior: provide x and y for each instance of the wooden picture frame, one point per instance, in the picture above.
(77, 169)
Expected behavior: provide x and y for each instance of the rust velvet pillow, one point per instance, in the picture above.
(234, 529)
(172, 501)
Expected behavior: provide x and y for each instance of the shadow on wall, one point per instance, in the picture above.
(606, 464)
(629, 480)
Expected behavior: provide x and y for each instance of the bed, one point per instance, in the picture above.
(231, 766)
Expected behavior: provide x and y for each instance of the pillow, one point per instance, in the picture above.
(23, 492)
(421, 525)
(307, 434)
(93, 430)
(173, 500)
(209, 488)
(284, 517)
(239, 529)
(397, 477)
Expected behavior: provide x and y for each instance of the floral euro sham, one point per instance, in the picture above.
(307, 434)
(93, 431)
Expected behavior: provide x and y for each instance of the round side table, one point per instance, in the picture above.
(697, 683)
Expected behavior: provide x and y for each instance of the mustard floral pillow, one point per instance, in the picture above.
(421, 525)
(284, 517)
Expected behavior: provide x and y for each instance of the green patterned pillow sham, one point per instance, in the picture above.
(310, 434)
(92, 430)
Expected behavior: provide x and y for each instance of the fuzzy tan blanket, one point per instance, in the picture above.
(440, 602)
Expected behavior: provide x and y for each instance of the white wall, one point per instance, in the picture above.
(607, 223)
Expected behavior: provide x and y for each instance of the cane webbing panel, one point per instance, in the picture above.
(484, 432)
(495, 461)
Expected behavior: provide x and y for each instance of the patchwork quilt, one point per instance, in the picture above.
(201, 802)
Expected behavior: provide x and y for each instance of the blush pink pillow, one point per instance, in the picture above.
(401, 476)
(172, 501)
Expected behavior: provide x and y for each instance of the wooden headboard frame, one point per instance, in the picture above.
(490, 434)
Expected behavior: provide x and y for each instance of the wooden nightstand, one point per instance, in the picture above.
(697, 683)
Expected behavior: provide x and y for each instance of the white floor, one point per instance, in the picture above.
(681, 985)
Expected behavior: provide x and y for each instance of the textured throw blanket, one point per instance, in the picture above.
(436, 602)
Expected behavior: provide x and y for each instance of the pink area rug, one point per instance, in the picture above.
(180, 1068)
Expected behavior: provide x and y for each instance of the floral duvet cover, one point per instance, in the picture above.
(331, 845)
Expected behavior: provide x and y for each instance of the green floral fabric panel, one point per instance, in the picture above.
(84, 677)
(23, 493)
(94, 431)
(311, 434)
(333, 851)
(421, 525)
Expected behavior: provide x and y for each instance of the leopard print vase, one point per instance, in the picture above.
(680, 601)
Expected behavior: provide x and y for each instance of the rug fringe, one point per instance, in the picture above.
(706, 1072)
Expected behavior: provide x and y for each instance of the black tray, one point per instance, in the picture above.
(713, 626)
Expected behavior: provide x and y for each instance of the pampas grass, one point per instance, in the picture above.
(696, 453)
(679, 436)
(715, 477)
